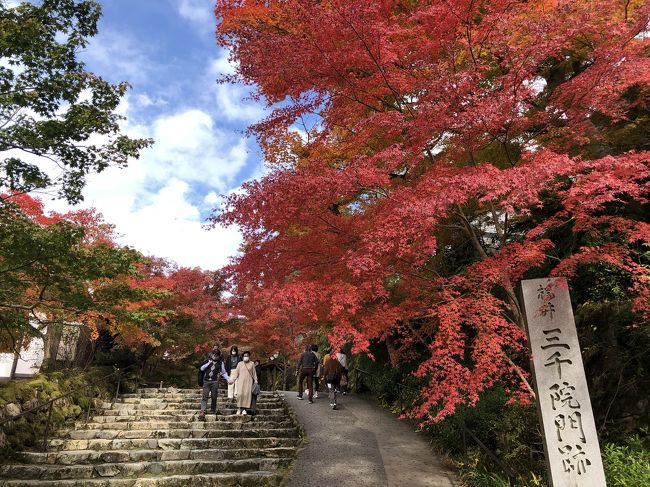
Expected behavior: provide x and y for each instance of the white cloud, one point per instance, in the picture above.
(169, 226)
(222, 65)
(189, 146)
(116, 53)
(200, 11)
(159, 201)
(151, 202)
(144, 100)
(233, 100)
(211, 199)
(233, 105)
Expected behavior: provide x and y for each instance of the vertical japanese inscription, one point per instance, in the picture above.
(570, 440)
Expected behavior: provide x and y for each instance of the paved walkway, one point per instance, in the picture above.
(362, 445)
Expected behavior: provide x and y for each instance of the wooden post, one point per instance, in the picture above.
(285, 375)
(47, 425)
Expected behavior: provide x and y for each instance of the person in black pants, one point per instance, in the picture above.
(332, 371)
(230, 364)
(258, 371)
(307, 364)
(318, 371)
(210, 369)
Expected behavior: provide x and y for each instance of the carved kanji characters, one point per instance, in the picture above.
(572, 421)
(574, 459)
(562, 396)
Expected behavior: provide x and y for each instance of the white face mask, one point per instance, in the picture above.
(246, 359)
(233, 353)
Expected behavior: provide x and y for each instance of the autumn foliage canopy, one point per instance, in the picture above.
(66, 268)
(424, 156)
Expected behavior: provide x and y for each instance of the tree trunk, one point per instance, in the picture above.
(390, 347)
(51, 342)
(14, 364)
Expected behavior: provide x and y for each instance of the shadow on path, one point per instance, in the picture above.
(362, 445)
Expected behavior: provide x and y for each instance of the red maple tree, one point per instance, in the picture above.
(404, 131)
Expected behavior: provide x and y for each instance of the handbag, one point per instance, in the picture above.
(255, 390)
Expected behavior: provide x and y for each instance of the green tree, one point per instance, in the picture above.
(52, 111)
(65, 269)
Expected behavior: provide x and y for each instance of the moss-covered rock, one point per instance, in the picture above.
(78, 387)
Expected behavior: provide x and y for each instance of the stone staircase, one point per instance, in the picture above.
(153, 438)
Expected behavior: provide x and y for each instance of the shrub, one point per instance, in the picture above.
(627, 465)
(28, 431)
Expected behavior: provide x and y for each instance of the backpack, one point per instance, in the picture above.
(312, 360)
(319, 366)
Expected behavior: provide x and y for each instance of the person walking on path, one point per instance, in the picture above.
(245, 377)
(231, 364)
(319, 371)
(343, 360)
(307, 364)
(210, 369)
(332, 371)
(327, 356)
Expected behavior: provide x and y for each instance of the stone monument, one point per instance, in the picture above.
(570, 439)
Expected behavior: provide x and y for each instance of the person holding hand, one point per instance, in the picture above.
(244, 376)
(210, 369)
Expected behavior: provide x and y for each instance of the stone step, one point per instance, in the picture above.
(181, 405)
(106, 434)
(58, 444)
(140, 469)
(188, 400)
(153, 438)
(250, 479)
(195, 390)
(185, 395)
(171, 416)
(132, 412)
(255, 422)
(82, 457)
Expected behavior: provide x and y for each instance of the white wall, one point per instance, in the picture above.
(31, 359)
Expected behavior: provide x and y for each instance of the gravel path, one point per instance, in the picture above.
(362, 445)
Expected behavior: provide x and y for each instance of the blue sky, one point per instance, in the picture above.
(166, 49)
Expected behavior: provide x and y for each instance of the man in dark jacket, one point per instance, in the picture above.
(210, 369)
(307, 364)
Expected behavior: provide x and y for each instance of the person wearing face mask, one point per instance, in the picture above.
(209, 371)
(231, 364)
(245, 376)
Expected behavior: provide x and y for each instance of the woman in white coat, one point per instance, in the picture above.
(244, 376)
